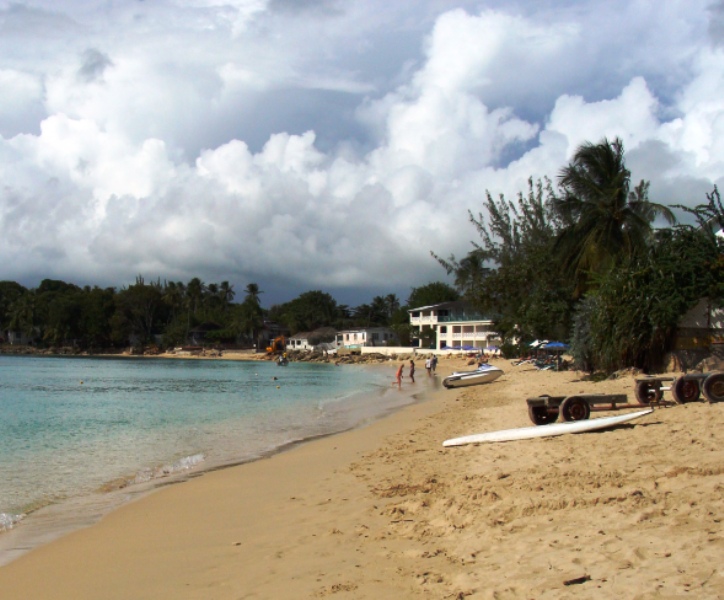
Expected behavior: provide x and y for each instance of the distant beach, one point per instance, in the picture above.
(385, 511)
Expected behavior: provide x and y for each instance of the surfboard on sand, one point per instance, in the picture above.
(526, 433)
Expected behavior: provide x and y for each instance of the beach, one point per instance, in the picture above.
(384, 511)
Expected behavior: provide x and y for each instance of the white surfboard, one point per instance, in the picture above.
(526, 433)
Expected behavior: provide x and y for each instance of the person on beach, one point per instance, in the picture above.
(433, 362)
(428, 366)
(412, 371)
(398, 375)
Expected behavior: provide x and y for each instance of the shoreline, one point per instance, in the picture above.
(51, 521)
(383, 511)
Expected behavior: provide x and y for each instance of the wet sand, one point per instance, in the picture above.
(386, 512)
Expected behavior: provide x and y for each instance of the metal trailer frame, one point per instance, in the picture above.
(546, 409)
(687, 388)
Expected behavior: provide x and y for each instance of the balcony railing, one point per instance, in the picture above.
(461, 318)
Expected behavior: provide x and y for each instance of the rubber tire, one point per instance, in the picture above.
(685, 390)
(540, 415)
(713, 387)
(648, 391)
(574, 408)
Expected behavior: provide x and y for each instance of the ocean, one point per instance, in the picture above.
(81, 436)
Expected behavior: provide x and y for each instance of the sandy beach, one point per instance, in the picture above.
(386, 512)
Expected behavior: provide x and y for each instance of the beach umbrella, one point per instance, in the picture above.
(556, 346)
(538, 343)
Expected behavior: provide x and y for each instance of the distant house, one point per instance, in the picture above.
(453, 325)
(319, 339)
(300, 341)
(366, 336)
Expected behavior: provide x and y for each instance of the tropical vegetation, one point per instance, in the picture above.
(584, 262)
(173, 313)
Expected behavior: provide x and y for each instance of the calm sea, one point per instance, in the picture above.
(79, 436)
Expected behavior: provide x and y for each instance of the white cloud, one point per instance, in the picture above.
(323, 145)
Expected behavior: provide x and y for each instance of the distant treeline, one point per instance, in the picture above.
(169, 313)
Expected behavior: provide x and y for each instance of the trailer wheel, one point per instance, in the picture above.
(575, 409)
(540, 415)
(713, 387)
(685, 390)
(648, 391)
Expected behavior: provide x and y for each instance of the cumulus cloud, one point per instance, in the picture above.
(323, 145)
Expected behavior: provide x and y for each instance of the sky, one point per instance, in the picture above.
(326, 144)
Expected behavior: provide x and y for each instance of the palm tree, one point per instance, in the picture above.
(393, 305)
(252, 293)
(605, 223)
(253, 316)
(226, 293)
(470, 273)
(24, 314)
(195, 292)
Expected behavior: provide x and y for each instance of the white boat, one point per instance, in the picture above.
(483, 374)
(538, 431)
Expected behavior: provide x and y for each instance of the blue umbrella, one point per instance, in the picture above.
(556, 346)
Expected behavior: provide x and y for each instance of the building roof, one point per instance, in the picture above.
(454, 304)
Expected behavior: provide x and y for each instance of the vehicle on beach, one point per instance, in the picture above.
(483, 374)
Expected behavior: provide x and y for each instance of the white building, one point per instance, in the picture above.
(452, 325)
(366, 336)
(300, 341)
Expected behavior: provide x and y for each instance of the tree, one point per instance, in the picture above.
(393, 305)
(631, 316)
(605, 223)
(23, 314)
(138, 311)
(252, 294)
(471, 273)
(195, 292)
(432, 293)
(510, 274)
(307, 312)
(249, 318)
(10, 292)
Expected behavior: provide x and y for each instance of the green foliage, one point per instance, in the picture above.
(585, 265)
(307, 312)
(10, 292)
(432, 293)
(522, 288)
(604, 222)
(631, 317)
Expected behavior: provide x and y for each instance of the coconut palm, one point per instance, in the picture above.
(470, 274)
(605, 222)
(252, 293)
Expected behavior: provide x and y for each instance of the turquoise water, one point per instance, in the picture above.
(74, 428)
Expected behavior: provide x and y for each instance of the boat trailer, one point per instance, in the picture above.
(649, 391)
(687, 388)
